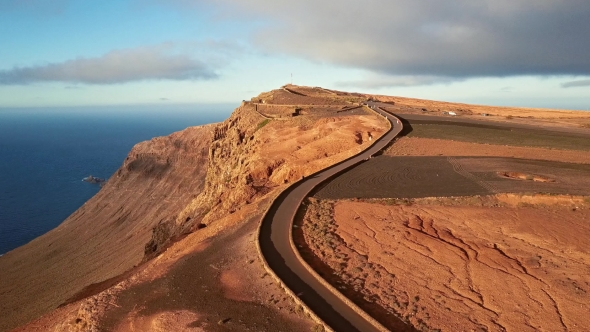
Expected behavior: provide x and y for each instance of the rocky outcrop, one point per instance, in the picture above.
(236, 173)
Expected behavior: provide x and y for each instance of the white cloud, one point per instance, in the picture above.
(381, 81)
(575, 84)
(158, 62)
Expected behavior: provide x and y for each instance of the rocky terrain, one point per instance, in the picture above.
(177, 202)
(169, 241)
(482, 264)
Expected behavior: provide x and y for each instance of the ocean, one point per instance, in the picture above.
(45, 154)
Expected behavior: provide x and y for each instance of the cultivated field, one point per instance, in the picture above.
(501, 136)
(401, 177)
(412, 177)
(416, 146)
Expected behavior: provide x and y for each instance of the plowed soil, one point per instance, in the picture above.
(401, 177)
(538, 116)
(466, 267)
(412, 177)
(502, 136)
(417, 146)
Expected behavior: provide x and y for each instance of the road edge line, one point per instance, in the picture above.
(323, 281)
(333, 290)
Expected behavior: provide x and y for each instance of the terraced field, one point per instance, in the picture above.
(499, 135)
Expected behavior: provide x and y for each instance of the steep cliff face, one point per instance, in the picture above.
(251, 156)
(174, 185)
(108, 234)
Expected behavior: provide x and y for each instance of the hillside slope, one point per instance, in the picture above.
(209, 182)
(107, 235)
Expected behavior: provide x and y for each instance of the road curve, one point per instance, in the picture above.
(276, 244)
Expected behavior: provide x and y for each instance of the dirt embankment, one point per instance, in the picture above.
(243, 162)
(477, 265)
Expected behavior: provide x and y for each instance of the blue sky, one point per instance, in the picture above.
(502, 52)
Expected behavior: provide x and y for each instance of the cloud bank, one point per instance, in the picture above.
(119, 66)
(383, 81)
(575, 84)
(456, 38)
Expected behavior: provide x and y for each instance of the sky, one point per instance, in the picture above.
(528, 53)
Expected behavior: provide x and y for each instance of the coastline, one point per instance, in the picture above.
(46, 154)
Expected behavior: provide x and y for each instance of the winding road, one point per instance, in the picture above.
(276, 244)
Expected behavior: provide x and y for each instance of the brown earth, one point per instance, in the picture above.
(490, 264)
(204, 186)
(251, 156)
(505, 262)
(192, 286)
(300, 95)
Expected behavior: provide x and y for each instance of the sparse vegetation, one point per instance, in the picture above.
(262, 124)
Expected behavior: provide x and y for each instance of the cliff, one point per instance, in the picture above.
(107, 235)
(198, 181)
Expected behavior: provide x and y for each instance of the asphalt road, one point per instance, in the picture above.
(275, 237)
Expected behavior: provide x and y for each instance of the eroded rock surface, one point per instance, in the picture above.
(462, 267)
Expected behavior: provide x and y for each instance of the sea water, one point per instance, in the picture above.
(45, 153)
